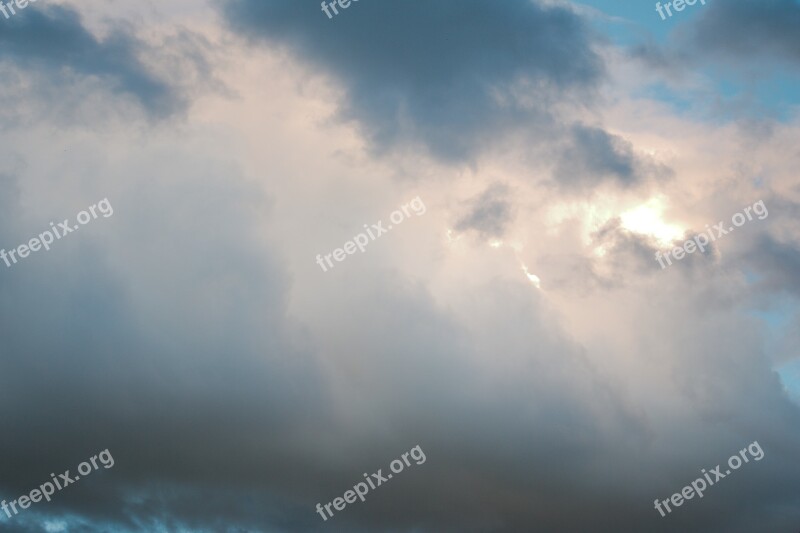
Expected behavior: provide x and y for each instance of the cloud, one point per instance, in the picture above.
(739, 33)
(53, 42)
(489, 213)
(594, 155)
(237, 385)
(456, 76)
(234, 378)
(778, 263)
(739, 29)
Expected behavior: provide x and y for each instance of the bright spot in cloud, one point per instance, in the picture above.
(646, 219)
(533, 277)
(450, 238)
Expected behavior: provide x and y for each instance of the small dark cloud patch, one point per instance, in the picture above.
(489, 213)
(778, 263)
(593, 155)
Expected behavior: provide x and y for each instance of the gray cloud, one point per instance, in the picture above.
(489, 213)
(740, 33)
(92, 378)
(778, 264)
(739, 29)
(53, 42)
(593, 155)
(456, 76)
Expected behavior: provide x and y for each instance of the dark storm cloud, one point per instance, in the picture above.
(733, 31)
(748, 28)
(52, 40)
(176, 407)
(489, 213)
(594, 155)
(454, 75)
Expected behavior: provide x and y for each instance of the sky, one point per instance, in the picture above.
(298, 246)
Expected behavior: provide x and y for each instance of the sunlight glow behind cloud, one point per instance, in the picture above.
(647, 219)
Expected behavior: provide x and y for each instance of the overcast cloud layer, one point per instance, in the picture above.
(518, 329)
